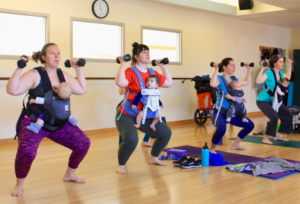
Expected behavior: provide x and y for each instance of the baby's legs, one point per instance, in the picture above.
(155, 120)
(139, 118)
(35, 127)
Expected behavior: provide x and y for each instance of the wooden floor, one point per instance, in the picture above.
(146, 183)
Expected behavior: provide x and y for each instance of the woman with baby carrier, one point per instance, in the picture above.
(134, 79)
(222, 85)
(40, 82)
(265, 98)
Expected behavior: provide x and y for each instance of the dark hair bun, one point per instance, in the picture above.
(135, 45)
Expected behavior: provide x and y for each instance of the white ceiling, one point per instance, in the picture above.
(289, 17)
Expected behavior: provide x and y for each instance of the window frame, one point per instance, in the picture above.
(26, 13)
(166, 30)
(99, 22)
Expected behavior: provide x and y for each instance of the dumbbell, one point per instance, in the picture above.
(80, 62)
(294, 62)
(265, 63)
(21, 62)
(163, 61)
(125, 57)
(251, 64)
(220, 65)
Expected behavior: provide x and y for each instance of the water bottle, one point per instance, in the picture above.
(205, 155)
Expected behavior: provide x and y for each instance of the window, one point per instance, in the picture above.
(97, 41)
(163, 43)
(21, 34)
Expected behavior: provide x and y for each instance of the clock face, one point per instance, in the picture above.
(100, 8)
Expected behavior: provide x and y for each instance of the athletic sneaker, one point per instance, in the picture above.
(188, 162)
(180, 161)
(191, 164)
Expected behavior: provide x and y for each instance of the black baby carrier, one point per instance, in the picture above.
(56, 111)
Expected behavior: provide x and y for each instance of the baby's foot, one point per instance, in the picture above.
(245, 120)
(228, 120)
(152, 128)
(73, 121)
(34, 127)
(121, 170)
(137, 126)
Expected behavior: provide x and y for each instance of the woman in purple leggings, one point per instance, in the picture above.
(60, 132)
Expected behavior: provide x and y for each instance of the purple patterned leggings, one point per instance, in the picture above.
(69, 136)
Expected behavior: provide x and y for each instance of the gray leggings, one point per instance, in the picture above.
(283, 114)
(130, 136)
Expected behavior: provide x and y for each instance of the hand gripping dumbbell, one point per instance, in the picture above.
(163, 61)
(125, 57)
(220, 65)
(251, 64)
(265, 64)
(21, 62)
(80, 62)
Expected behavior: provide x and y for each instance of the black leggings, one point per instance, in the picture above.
(130, 136)
(283, 114)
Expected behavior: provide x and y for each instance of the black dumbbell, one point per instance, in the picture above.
(251, 64)
(80, 62)
(220, 65)
(125, 57)
(163, 61)
(21, 62)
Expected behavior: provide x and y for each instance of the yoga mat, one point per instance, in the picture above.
(258, 140)
(274, 176)
(236, 159)
(229, 157)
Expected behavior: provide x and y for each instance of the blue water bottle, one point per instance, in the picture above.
(205, 155)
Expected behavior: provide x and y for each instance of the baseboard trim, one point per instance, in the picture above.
(114, 129)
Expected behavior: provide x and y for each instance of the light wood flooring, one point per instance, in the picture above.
(146, 183)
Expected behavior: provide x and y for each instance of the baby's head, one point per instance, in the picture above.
(236, 85)
(152, 82)
(285, 82)
(64, 90)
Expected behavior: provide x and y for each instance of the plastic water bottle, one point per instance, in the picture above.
(205, 155)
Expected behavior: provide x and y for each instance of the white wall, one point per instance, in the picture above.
(205, 38)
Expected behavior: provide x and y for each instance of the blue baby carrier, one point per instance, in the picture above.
(228, 88)
(127, 105)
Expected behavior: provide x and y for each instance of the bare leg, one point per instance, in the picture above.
(71, 177)
(121, 170)
(236, 144)
(146, 144)
(278, 137)
(18, 191)
(155, 120)
(267, 140)
(40, 122)
(155, 160)
(213, 148)
(139, 118)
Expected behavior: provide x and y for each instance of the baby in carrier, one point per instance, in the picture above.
(153, 103)
(237, 107)
(281, 90)
(64, 91)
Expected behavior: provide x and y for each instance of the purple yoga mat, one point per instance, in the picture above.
(236, 159)
(274, 176)
(229, 157)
